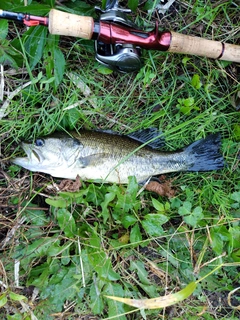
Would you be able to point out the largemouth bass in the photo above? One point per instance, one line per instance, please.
(108, 157)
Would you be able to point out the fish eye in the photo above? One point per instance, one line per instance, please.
(76, 142)
(39, 142)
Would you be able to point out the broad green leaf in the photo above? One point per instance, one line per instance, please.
(36, 9)
(158, 205)
(65, 256)
(188, 102)
(8, 55)
(16, 297)
(71, 117)
(96, 300)
(216, 242)
(40, 246)
(141, 271)
(58, 202)
(234, 236)
(3, 300)
(152, 224)
(236, 196)
(132, 187)
(128, 220)
(196, 83)
(191, 220)
(113, 307)
(95, 241)
(66, 222)
(59, 65)
(194, 217)
(34, 216)
(54, 60)
(135, 234)
(175, 203)
(51, 3)
(187, 105)
(133, 4)
(58, 276)
(104, 3)
(103, 266)
(34, 43)
(79, 7)
(66, 289)
(107, 200)
(149, 5)
(99, 259)
(17, 316)
(167, 206)
(236, 255)
(185, 209)
(185, 110)
(127, 200)
(54, 249)
(110, 273)
(104, 70)
(39, 275)
(185, 60)
(3, 29)
(94, 195)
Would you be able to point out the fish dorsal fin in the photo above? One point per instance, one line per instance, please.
(145, 135)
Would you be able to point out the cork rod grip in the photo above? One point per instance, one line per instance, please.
(181, 43)
(67, 24)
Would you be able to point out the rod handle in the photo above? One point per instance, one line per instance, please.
(68, 24)
(181, 43)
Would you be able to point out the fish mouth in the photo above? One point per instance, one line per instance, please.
(36, 155)
(33, 157)
(32, 154)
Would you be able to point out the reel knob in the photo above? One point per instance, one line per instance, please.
(121, 57)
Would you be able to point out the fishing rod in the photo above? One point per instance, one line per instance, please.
(119, 41)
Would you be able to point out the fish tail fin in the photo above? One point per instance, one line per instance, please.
(205, 154)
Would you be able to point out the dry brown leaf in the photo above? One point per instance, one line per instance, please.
(70, 185)
(162, 188)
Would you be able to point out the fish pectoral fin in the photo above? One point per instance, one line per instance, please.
(93, 159)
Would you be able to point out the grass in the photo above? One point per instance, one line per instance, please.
(62, 252)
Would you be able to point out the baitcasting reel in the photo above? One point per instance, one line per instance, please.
(118, 57)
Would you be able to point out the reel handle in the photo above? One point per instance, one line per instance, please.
(68, 24)
(181, 43)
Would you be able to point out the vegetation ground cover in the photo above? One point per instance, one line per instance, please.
(65, 245)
